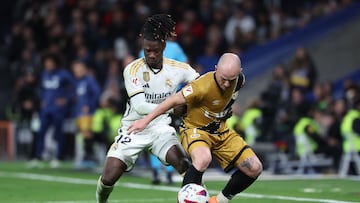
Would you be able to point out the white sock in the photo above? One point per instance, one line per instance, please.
(102, 192)
(221, 198)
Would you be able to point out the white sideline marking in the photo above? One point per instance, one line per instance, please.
(33, 176)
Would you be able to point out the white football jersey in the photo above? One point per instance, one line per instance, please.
(156, 86)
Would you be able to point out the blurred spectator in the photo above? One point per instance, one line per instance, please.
(87, 96)
(56, 34)
(273, 98)
(303, 73)
(104, 126)
(190, 24)
(251, 121)
(350, 130)
(220, 16)
(240, 27)
(165, 6)
(308, 135)
(276, 17)
(136, 18)
(26, 64)
(234, 122)
(190, 31)
(15, 41)
(27, 105)
(297, 106)
(262, 27)
(93, 29)
(205, 10)
(55, 93)
(215, 37)
(83, 54)
(113, 81)
(337, 110)
(282, 131)
(208, 60)
(351, 93)
(321, 95)
(100, 66)
(76, 25)
(27, 96)
(100, 23)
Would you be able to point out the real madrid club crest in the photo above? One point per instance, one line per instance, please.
(168, 82)
(146, 76)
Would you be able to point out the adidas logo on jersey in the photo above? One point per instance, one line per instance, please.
(146, 85)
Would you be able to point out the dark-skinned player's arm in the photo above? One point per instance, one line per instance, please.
(171, 102)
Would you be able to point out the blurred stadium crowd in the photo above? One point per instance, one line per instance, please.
(102, 36)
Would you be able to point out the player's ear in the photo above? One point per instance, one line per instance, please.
(215, 67)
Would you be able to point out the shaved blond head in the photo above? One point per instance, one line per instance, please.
(229, 64)
(227, 69)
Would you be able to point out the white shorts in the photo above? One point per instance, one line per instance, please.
(157, 139)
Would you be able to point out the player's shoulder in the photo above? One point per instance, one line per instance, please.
(203, 83)
(176, 64)
(206, 77)
(134, 67)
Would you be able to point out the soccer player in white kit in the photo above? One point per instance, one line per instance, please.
(148, 81)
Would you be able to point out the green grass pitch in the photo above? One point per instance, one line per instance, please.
(21, 185)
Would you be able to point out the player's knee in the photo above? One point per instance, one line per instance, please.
(201, 164)
(256, 169)
(108, 180)
(201, 158)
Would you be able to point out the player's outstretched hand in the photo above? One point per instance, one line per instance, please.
(137, 126)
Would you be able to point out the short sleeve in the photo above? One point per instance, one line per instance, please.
(132, 82)
(191, 93)
(191, 75)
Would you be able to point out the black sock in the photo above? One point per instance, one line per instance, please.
(192, 175)
(238, 182)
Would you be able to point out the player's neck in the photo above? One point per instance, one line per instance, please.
(155, 69)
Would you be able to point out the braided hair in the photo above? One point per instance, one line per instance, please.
(158, 27)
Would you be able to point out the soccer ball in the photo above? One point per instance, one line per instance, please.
(193, 193)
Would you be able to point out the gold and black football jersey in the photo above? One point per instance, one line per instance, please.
(208, 105)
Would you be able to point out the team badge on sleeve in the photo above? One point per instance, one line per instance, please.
(187, 90)
(135, 81)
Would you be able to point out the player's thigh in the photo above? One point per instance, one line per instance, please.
(164, 137)
(232, 151)
(193, 138)
(127, 148)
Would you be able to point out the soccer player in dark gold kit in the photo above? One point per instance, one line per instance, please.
(209, 99)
